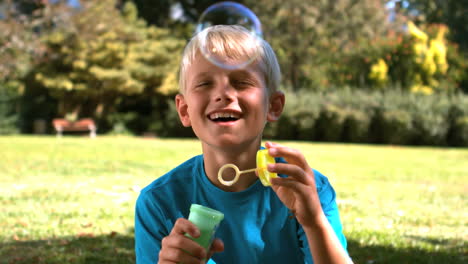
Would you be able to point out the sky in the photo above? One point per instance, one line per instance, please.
(72, 3)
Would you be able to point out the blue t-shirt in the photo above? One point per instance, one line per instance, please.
(257, 227)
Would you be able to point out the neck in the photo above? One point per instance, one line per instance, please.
(243, 157)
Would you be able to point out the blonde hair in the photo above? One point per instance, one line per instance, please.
(233, 43)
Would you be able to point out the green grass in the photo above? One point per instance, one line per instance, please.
(71, 200)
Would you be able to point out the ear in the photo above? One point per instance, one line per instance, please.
(276, 106)
(182, 110)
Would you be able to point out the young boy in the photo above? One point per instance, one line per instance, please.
(294, 221)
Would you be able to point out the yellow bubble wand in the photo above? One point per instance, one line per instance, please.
(263, 159)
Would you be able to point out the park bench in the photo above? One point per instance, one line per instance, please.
(82, 125)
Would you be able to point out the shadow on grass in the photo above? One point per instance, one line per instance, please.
(449, 252)
(115, 248)
(112, 248)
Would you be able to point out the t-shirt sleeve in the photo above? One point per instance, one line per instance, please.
(327, 197)
(150, 229)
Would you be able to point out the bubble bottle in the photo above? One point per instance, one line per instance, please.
(207, 220)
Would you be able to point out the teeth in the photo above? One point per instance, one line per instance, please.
(223, 115)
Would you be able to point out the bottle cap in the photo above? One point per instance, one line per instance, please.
(207, 213)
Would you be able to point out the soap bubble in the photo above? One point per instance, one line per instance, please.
(230, 13)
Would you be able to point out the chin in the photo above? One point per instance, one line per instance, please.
(227, 142)
(233, 142)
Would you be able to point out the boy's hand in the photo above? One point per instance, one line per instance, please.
(177, 248)
(298, 191)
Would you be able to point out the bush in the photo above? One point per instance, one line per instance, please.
(307, 112)
(392, 127)
(430, 119)
(306, 121)
(287, 127)
(356, 126)
(284, 128)
(385, 117)
(458, 118)
(8, 114)
(459, 132)
(167, 124)
(329, 125)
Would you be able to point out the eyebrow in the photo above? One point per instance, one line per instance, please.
(247, 74)
(242, 73)
(202, 75)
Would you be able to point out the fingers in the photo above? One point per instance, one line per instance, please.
(182, 244)
(183, 226)
(288, 183)
(176, 255)
(270, 144)
(178, 248)
(217, 246)
(291, 155)
(291, 170)
(298, 191)
(297, 166)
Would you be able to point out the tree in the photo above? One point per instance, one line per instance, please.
(452, 13)
(154, 12)
(98, 55)
(159, 12)
(19, 45)
(311, 37)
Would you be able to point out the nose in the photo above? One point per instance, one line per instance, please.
(225, 93)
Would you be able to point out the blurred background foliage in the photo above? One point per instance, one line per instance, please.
(374, 71)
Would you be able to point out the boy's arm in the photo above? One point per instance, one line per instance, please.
(147, 230)
(299, 193)
(327, 198)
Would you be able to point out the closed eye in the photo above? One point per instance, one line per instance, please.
(202, 84)
(242, 84)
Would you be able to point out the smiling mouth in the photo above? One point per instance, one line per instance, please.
(223, 117)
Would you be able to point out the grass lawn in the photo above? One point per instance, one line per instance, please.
(71, 200)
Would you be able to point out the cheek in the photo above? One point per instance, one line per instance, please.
(196, 103)
(255, 95)
(259, 101)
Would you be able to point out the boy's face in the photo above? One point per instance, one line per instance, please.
(227, 107)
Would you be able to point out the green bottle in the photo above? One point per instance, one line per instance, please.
(207, 220)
